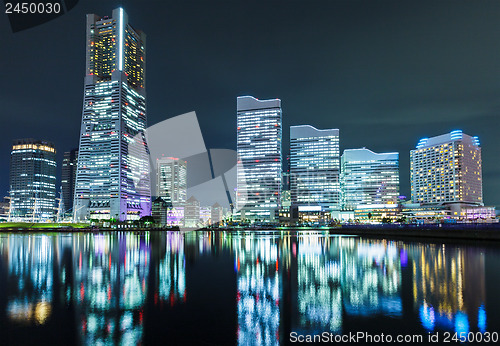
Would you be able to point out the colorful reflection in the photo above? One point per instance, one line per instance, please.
(30, 300)
(110, 286)
(449, 287)
(121, 287)
(345, 276)
(259, 289)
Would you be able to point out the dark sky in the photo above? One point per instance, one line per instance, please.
(386, 73)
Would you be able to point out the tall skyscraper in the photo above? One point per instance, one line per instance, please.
(259, 134)
(113, 166)
(445, 169)
(368, 178)
(32, 181)
(171, 174)
(314, 167)
(68, 178)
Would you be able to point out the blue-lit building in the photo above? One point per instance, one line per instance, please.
(113, 166)
(447, 169)
(32, 184)
(259, 135)
(314, 167)
(368, 178)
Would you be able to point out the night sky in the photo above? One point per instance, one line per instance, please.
(386, 73)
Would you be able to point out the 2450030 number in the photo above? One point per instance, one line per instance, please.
(471, 337)
(32, 7)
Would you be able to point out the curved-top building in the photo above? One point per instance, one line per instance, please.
(314, 167)
(447, 169)
(259, 137)
(369, 178)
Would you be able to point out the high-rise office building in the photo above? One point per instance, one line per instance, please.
(112, 178)
(32, 181)
(368, 178)
(259, 134)
(446, 169)
(171, 175)
(68, 178)
(314, 167)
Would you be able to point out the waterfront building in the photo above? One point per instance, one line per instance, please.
(159, 211)
(420, 213)
(369, 178)
(447, 169)
(192, 212)
(217, 214)
(205, 215)
(4, 209)
(378, 213)
(32, 181)
(479, 214)
(68, 178)
(112, 178)
(259, 137)
(314, 167)
(171, 175)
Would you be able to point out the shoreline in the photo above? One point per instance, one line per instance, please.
(485, 232)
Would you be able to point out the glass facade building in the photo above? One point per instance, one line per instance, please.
(113, 166)
(314, 166)
(171, 174)
(447, 168)
(368, 178)
(259, 135)
(68, 178)
(32, 181)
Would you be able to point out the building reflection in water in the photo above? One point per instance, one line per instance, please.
(338, 275)
(259, 289)
(172, 275)
(449, 288)
(110, 286)
(107, 285)
(371, 277)
(30, 261)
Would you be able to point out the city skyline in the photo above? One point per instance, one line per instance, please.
(362, 106)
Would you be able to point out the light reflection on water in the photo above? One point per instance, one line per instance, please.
(119, 287)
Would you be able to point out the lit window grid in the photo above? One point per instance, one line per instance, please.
(449, 172)
(114, 164)
(314, 170)
(259, 153)
(32, 182)
(373, 182)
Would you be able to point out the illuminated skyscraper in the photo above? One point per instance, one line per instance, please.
(32, 181)
(68, 177)
(368, 178)
(259, 157)
(446, 168)
(171, 174)
(113, 167)
(314, 166)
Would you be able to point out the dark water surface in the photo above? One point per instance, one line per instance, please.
(246, 288)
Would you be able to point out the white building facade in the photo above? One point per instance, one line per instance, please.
(368, 178)
(447, 169)
(259, 142)
(171, 174)
(314, 167)
(112, 178)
